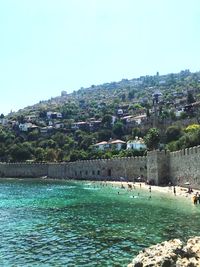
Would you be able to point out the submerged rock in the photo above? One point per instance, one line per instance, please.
(173, 253)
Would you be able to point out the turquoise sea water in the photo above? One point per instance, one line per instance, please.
(62, 223)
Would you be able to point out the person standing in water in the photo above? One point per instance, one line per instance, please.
(149, 189)
(149, 192)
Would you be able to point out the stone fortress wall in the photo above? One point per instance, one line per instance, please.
(21, 170)
(184, 166)
(161, 166)
(110, 169)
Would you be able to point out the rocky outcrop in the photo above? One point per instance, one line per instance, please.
(173, 253)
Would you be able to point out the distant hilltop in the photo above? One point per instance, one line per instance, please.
(133, 88)
(118, 119)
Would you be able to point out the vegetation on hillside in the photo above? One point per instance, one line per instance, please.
(163, 110)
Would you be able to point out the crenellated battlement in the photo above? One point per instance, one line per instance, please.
(186, 152)
(160, 166)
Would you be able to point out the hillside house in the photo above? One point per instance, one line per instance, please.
(45, 130)
(178, 112)
(140, 118)
(27, 127)
(128, 121)
(58, 125)
(30, 118)
(81, 125)
(120, 112)
(117, 144)
(95, 125)
(137, 144)
(112, 144)
(54, 115)
(3, 121)
(101, 146)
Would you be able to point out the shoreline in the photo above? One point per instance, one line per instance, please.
(165, 190)
(168, 190)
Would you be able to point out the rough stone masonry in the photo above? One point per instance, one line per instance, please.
(170, 254)
(179, 167)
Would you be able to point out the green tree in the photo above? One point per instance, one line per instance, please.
(190, 98)
(21, 152)
(39, 154)
(152, 138)
(107, 121)
(136, 132)
(51, 155)
(118, 129)
(3, 154)
(104, 135)
(34, 135)
(137, 106)
(3, 136)
(173, 133)
(60, 139)
(78, 155)
(131, 94)
(86, 142)
(192, 128)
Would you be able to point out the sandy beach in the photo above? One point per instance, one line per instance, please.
(169, 190)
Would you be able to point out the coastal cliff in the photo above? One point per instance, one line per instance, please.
(173, 253)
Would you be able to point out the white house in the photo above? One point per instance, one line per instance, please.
(112, 144)
(140, 118)
(59, 115)
(102, 145)
(4, 121)
(138, 144)
(54, 115)
(178, 112)
(25, 126)
(120, 112)
(59, 125)
(117, 144)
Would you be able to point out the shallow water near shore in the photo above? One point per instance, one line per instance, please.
(69, 223)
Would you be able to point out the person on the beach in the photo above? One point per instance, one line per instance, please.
(194, 199)
(174, 190)
(190, 190)
(198, 197)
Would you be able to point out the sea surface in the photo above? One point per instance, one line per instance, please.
(69, 223)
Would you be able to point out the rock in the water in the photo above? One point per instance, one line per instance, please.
(171, 253)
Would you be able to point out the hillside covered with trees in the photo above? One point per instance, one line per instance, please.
(100, 121)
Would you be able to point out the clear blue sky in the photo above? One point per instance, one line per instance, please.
(47, 46)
